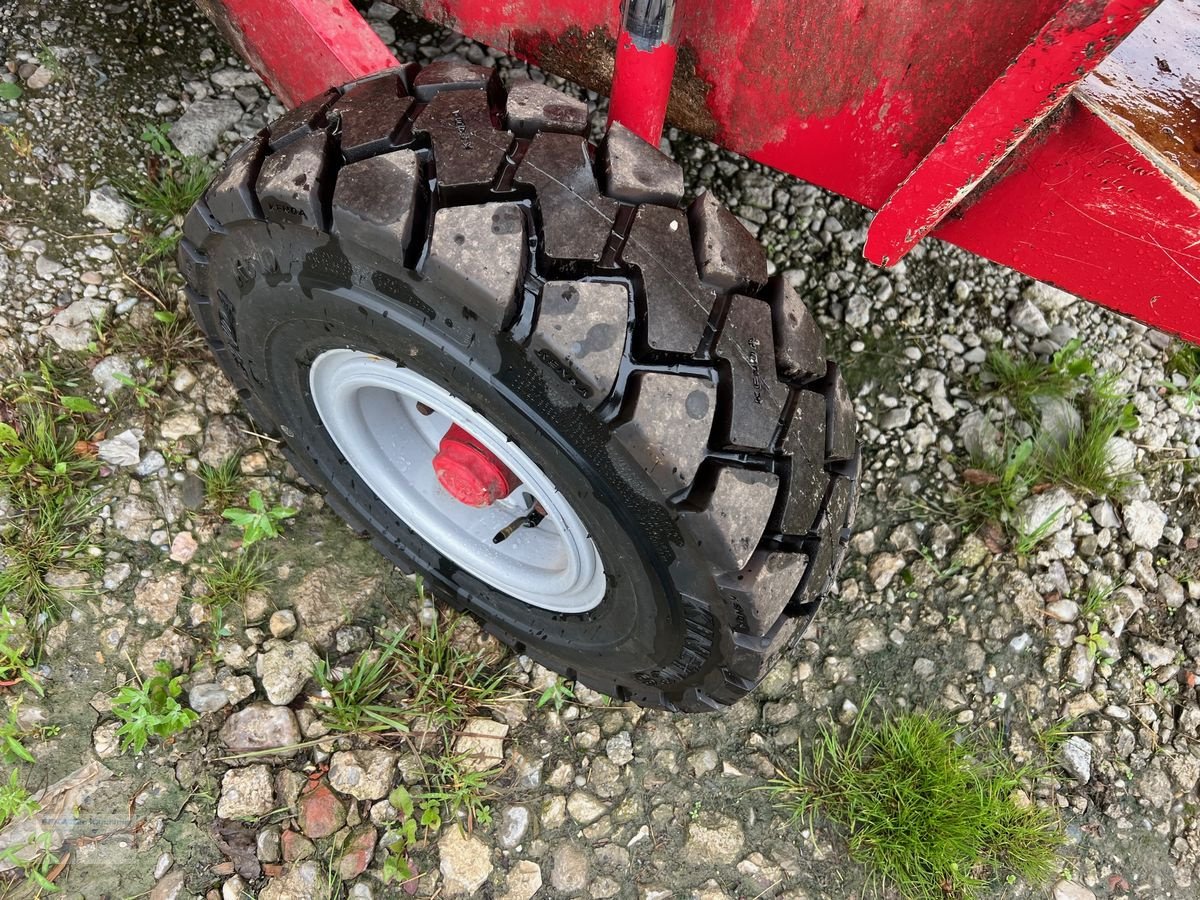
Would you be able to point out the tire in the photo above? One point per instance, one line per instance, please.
(632, 349)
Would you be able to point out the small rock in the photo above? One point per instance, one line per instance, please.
(284, 670)
(158, 599)
(122, 449)
(715, 839)
(304, 881)
(319, 812)
(363, 774)
(1154, 655)
(107, 206)
(514, 823)
(1068, 890)
(570, 871)
(197, 131)
(282, 623)
(868, 637)
(1028, 318)
(524, 881)
(1063, 610)
(464, 861)
(170, 887)
(1144, 523)
(179, 425)
(1076, 758)
(105, 740)
(584, 808)
(104, 374)
(235, 888)
(266, 844)
(41, 78)
(74, 327)
(246, 793)
(260, 726)
(207, 698)
(360, 848)
(1048, 512)
(619, 749)
(883, 568)
(183, 547)
(482, 743)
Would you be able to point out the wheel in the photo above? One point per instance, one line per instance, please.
(515, 360)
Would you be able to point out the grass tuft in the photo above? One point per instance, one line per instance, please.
(930, 813)
(222, 482)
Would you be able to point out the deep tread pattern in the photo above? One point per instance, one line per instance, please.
(636, 172)
(479, 252)
(670, 428)
(576, 218)
(301, 120)
(799, 344)
(581, 334)
(381, 221)
(534, 108)
(291, 182)
(727, 255)
(369, 115)
(467, 149)
(717, 386)
(732, 525)
(758, 397)
(661, 248)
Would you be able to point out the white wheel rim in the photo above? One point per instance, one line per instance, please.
(371, 407)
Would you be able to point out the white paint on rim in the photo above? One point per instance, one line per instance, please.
(388, 420)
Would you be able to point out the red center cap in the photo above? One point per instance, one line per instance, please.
(470, 472)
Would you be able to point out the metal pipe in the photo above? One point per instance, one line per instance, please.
(644, 67)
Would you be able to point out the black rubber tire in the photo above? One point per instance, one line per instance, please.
(636, 350)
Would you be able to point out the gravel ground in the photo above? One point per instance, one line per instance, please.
(595, 800)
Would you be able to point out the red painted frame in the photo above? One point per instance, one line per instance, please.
(874, 101)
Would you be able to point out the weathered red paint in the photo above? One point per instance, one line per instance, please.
(850, 95)
(1061, 54)
(300, 47)
(641, 87)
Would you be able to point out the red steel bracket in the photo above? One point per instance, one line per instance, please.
(644, 68)
(300, 48)
(1079, 36)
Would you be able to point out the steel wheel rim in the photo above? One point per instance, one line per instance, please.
(387, 421)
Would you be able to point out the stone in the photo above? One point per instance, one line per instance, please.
(514, 824)
(1076, 758)
(235, 888)
(106, 205)
(104, 374)
(282, 623)
(171, 647)
(481, 742)
(246, 793)
(868, 637)
(183, 547)
(570, 872)
(157, 599)
(979, 436)
(883, 568)
(1154, 655)
(294, 846)
(584, 808)
(1028, 318)
(122, 449)
(266, 844)
(105, 740)
(524, 881)
(363, 774)
(75, 327)
(320, 812)
(223, 439)
(284, 669)
(304, 881)
(169, 887)
(619, 748)
(260, 726)
(179, 425)
(359, 849)
(464, 861)
(1048, 512)
(1060, 420)
(1063, 610)
(1144, 523)
(1069, 890)
(198, 130)
(41, 78)
(207, 698)
(327, 598)
(715, 839)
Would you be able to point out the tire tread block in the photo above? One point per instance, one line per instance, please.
(291, 182)
(533, 108)
(839, 427)
(582, 325)
(808, 482)
(375, 202)
(728, 256)
(730, 527)
(762, 590)
(559, 170)
(799, 343)
(669, 431)
(467, 148)
(301, 120)
(678, 304)
(833, 520)
(369, 114)
(636, 172)
(230, 197)
(758, 397)
(453, 75)
(478, 254)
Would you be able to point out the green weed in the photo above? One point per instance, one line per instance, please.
(1093, 640)
(15, 801)
(230, 582)
(16, 661)
(557, 694)
(171, 184)
(928, 812)
(12, 749)
(151, 708)
(359, 698)
(222, 482)
(1025, 381)
(259, 521)
(456, 786)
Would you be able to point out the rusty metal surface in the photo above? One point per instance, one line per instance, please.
(1037, 81)
(1149, 90)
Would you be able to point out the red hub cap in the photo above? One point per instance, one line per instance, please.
(470, 472)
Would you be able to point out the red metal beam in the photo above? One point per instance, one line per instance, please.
(1037, 82)
(300, 47)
